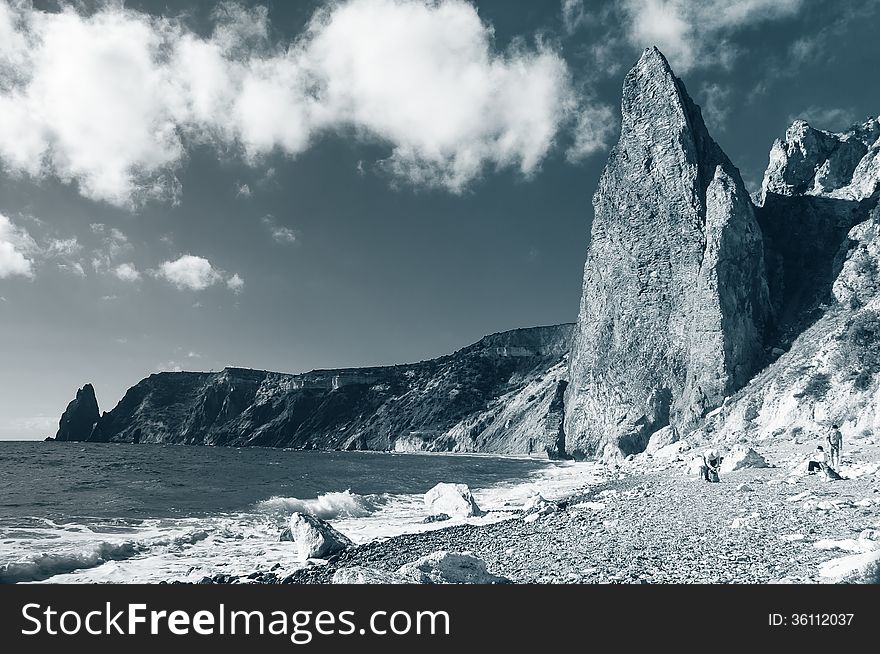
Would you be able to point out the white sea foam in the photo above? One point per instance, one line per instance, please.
(188, 549)
(328, 506)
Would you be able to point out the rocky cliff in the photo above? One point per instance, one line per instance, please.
(820, 212)
(501, 395)
(704, 315)
(675, 300)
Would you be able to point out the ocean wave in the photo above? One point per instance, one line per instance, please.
(327, 506)
(43, 565)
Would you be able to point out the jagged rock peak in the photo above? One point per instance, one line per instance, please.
(810, 161)
(675, 296)
(80, 417)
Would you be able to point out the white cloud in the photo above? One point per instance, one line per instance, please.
(279, 233)
(190, 272)
(592, 133)
(235, 284)
(16, 249)
(127, 272)
(693, 33)
(243, 191)
(112, 100)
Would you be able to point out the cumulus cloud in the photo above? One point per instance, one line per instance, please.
(692, 33)
(16, 250)
(235, 284)
(127, 272)
(112, 100)
(243, 191)
(190, 272)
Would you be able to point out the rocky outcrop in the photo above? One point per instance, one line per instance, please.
(79, 419)
(817, 186)
(499, 395)
(827, 244)
(675, 300)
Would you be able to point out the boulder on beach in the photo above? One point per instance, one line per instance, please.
(362, 575)
(437, 517)
(313, 537)
(741, 457)
(444, 567)
(861, 568)
(661, 438)
(536, 504)
(453, 500)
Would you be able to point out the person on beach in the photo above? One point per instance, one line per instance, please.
(835, 440)
(710, 465)
(818, 460)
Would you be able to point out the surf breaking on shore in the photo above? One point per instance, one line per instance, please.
(188, 549)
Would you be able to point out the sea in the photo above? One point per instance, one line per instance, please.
(117, 513)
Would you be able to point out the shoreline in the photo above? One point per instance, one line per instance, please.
(759, 525)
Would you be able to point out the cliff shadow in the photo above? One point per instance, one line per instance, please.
(806, 242)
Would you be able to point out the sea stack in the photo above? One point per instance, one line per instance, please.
(675, 299)
(80, 417)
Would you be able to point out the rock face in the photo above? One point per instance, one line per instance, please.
(675, 299)
(500, 395)
(80, 417)
(821, 222)
(314, 538)
(817, 187)
(451, 500)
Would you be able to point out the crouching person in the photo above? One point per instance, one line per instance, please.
(710, 465)
(818, 460)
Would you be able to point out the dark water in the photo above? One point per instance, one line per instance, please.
(76, 512)
(62, 480)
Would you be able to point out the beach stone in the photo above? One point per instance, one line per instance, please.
(439, 517)
(536, 504)
(660, 439)
(741, 457)
(362, 575)
(444, 567)
(451, 499)
(315, 538)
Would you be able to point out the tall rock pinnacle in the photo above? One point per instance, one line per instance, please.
(675, 296)
(79, 419)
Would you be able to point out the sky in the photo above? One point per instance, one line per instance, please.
(299, 185)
